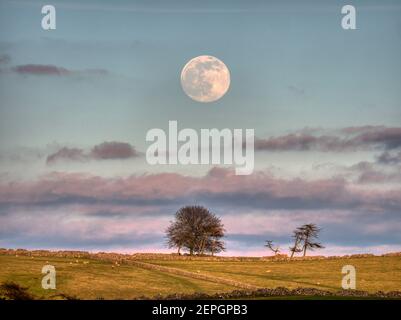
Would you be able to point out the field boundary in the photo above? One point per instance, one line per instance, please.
(272, 293)
(189, 274)
(173, 256)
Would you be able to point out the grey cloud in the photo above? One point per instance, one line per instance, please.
(389, 158)
(348, 139)
(84, 211)
(104, 151)
(71, 241)
(72, 154)
(52, 70)
(113, 150)
(259, 190)
(36, 69)
(375, 172)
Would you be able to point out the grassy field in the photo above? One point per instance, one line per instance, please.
(95, 279)
(373, 274)
(98, 279)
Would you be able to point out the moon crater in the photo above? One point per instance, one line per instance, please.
(205, 79)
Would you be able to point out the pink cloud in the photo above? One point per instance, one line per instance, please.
(260, 189)
(85, 211)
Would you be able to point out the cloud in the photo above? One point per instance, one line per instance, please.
(113, 150)
(389, 158)
(73, 154)
(38, 69)
(298, 142)
(373, 176)
(260, 190)
(348, 139)
(361, 129)
(52, 70)
(73, 227)
(385, 170)
(77, 210)
(104, 151)
(389, 138)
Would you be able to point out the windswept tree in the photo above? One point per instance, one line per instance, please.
(298, 238)
(269, 244)
(197, 230)
(310, 233)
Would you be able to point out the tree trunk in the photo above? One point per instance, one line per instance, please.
(179, 249)
(202, 246)
(306, 244)
(295, 247)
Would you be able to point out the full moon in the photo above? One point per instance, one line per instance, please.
(205, 79)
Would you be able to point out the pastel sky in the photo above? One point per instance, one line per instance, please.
(76, 104)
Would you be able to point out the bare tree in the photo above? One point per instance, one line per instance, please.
(175, 238)
(216, 246)
(310, 232)
(196, 229)
(269, 244)
(298, 237)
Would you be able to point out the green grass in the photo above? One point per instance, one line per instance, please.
(99, 280)
(373, 273)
